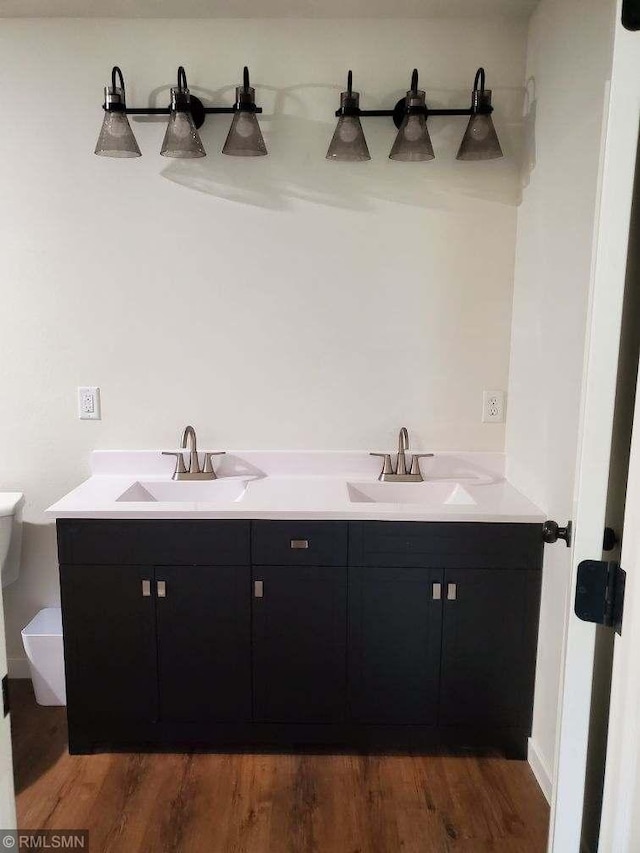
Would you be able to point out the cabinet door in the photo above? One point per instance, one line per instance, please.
(488, 647)
(299, 643)
(204, 643)
(395, 623)
(110, 647)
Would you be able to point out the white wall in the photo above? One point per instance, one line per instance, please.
(284, 302)
(568, 65)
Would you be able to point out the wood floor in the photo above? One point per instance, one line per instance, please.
(257, 803)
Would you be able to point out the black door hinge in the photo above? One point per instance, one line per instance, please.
(600, 593)
(5, 695)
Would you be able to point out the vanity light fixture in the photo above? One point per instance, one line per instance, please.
(413, 142)
(348, 143)
(181, 138)
(116, 138)
(410, 114)
(480, 141)
(186, 114)
(245, 137)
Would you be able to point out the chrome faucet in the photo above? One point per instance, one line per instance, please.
(398, 473)
(189, 442)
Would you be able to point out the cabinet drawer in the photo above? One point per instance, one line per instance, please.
(301, 543)
(443, 545)
(162, 543)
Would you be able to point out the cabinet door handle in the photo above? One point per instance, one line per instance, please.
(452, 591)
(436, 591)
(162, 589)
(300, 543)
(146, 588)
(258, 589)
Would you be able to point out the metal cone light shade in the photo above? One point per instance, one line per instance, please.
(480, 140)
(413, 142)
(116, 138)
(348, 143)
(245, 137)
(181, 139)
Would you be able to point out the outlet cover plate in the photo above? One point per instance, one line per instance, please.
(493, 407)
(89, 403)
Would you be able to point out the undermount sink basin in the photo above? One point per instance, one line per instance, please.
(428, 493)
(193, 491)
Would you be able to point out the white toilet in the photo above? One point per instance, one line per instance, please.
(10, 535)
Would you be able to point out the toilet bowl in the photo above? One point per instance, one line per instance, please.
(10, 535)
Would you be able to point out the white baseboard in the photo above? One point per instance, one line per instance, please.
(18, 668)
(540, 771)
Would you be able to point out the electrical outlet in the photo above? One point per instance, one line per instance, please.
(493, 407)
(89, 403)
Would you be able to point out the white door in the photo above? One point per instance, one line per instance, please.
(611, 236)
(620, 828)
(7, 798)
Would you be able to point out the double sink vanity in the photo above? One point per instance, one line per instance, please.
(279, 599)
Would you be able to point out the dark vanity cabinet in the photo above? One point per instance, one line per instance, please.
(490, 620)
(443, 630)
(395, 627)
(156, 631)
(203, 623)
(299, 644)
(110, 645)
(362, 634)
(299, 621)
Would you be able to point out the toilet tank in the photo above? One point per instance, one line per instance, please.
(11, 504)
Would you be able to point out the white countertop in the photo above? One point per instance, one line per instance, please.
(309, 485)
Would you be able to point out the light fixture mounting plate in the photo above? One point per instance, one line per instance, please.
(197, 111)
(399, 112)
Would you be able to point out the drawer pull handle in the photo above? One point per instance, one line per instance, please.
(146, 589)
(162, 589)
(258, 589)
(452, 591)
(300, 543)
(436, 591)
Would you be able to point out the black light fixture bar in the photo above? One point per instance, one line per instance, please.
(197, 108)
(400, 110)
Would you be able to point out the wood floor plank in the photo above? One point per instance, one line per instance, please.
(271, 803)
